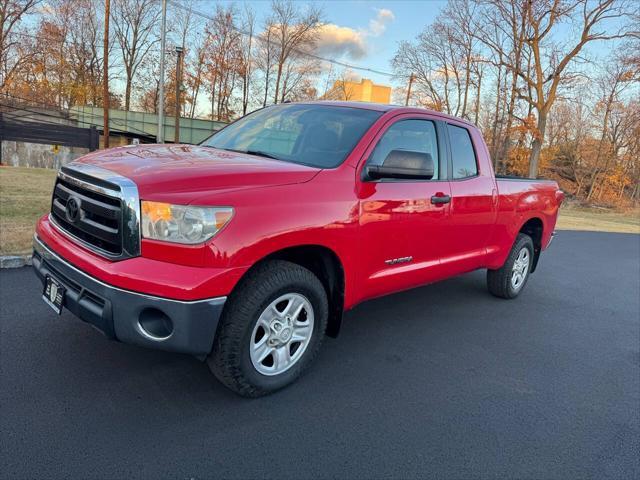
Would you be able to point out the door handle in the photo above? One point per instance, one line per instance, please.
(440, 199)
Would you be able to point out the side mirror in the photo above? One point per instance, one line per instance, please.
(403, 164)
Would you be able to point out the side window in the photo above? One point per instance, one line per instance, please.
(462, 154)
(411, 135)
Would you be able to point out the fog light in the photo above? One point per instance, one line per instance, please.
(155, 324)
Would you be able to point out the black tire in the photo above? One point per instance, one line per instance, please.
(230, 359)
(499, 281)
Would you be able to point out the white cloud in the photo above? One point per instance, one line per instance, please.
(378, 25)
(334, 40)
(337, 41)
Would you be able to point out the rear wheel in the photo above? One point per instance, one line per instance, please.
(271, 329)
(509, 280)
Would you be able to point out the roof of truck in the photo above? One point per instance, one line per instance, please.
(382, 107)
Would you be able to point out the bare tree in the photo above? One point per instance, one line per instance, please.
(615, 79)
(430, 71)
(195, 72)
(462, 14)
(187, 31)
(83, 57)
(53, 39)
(569, 134)
(246, 55)
(265, 58)
(106, 100)
(12, 56)
(501, 27)
(293, 31)
(135, 27)
(476, 72)
(296, 78)
(442, 60)
(550, 61)
(88, 58)
(148, 78)
(223, 53)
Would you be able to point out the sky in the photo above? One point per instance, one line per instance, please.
(359, 32)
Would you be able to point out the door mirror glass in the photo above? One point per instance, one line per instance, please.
(403, 164)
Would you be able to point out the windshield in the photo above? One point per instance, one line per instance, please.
(318, 135)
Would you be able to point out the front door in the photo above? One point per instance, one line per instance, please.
(403, 223)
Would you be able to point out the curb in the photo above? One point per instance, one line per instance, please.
(14, 261)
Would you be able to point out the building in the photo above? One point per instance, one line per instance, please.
(363, 91)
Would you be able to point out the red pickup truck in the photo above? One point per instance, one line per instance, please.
(247, 249)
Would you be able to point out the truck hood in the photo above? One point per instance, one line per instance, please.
(189, 170)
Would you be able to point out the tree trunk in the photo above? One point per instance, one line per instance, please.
(477, 114)
(192, 111)
(621, 194)
(507, 131)
(536, 147)
(592, 186)
(213, 101)
(266, 87)
(278, 77)
(446, 89)
(494, 127)
(127, 94)
(196, 88)
(597, 170)
(245, 94)
(284, 89)
(105, 77)
(466, 86)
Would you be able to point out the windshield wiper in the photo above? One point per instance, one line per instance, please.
(257, 153)
(261, 154)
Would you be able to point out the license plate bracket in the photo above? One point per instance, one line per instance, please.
(53, 294)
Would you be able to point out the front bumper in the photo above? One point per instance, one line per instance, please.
(131, 317)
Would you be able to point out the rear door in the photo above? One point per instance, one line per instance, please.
(403, 231)
(473, 200)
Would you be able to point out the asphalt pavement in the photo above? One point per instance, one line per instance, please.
(441, 381)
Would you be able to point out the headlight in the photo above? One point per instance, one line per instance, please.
(182, 223)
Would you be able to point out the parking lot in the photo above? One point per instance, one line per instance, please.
(441, 381)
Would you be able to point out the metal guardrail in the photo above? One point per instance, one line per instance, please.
(192, 130)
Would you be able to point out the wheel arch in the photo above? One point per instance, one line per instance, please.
(326, 265)
(534, 228)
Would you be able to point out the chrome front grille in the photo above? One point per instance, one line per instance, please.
(99, 209)
(96, 219)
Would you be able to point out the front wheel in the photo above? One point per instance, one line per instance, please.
(509, 280)
(271, 329)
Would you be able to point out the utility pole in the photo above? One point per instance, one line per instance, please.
(406, 102)
(176, 136)
(163, 41)
(105, 74)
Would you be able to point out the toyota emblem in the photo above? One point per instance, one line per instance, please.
(72, 209)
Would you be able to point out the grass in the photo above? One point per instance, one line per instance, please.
(598, 220)
(25, 195)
